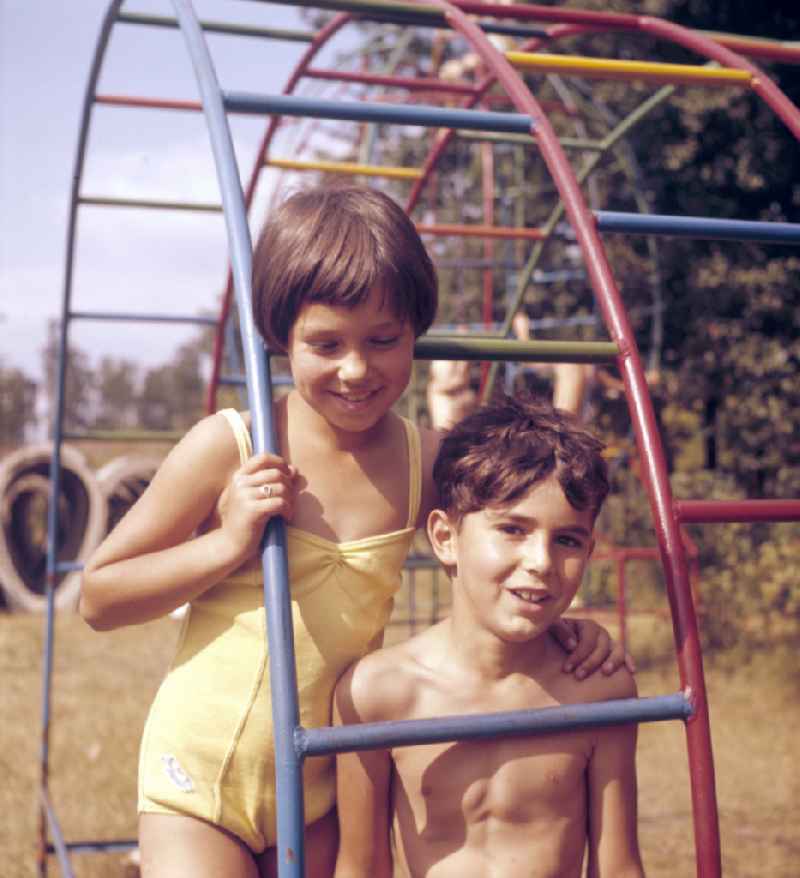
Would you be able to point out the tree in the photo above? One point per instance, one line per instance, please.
(172, 396)
(116, 387)
(79, 382)
(17, 405)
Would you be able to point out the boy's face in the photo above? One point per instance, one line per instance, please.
(351, 364)
(516, 568)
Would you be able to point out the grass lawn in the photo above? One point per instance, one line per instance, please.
(104, 682)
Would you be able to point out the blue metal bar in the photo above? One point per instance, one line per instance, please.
(141, 318)
(372, 736)
(58, 846)
(48, 818)
(698, 227)
(241, 381)
(361, 111)
(285, 710)
(97, 847)
(488, 349)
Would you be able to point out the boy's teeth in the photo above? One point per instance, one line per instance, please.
(528, 596)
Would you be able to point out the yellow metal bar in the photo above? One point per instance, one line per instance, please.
(346, 168)
(607, 68)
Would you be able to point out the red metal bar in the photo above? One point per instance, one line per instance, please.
(707, 849)
(762, 85)
(407, 82)
(487, 185)
(773, 50)
(622, 609)
(717, 511)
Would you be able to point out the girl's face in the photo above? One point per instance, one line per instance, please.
(351, 364)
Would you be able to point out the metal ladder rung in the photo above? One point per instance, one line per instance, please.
(487, 349)
(407, 82)
(362, 111)
(609, 68)
(126, 435)
(366, 736)
(142, 103)
(408, 13)
(155, 204)
(113, 316)
(698, 227)
(351, 168)
(722, 511)
(504, 232)
(219, 27)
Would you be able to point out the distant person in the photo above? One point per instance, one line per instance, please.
(520, 486)
(450, 393)
(343, 286)
(571, 381)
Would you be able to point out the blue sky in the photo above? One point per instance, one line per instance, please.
(150, 261)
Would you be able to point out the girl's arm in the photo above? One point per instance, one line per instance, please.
(589, 647)
(363, 781)
(613, 836)
(151, 563)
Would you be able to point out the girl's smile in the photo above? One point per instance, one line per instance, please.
(351, 364)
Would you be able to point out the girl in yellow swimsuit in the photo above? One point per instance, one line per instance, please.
(343, 286)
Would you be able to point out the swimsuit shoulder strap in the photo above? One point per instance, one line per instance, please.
(240, 432)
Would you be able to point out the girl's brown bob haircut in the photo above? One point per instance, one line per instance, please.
(334, 245)
(499, 452)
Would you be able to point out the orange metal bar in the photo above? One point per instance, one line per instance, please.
(351, 168)
(509, 232)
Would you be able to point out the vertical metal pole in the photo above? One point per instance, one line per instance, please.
(621, 601)
(47, 814)
(285, 710)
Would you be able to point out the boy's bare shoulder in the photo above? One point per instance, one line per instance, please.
(602, 687)
(596, 687)
(384, 684)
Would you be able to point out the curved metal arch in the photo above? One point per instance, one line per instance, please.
(312, 50)
(48, 818)
(672, 551)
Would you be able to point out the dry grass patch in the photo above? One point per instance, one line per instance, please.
(104, 683)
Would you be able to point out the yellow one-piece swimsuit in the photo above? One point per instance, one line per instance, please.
(208, 748)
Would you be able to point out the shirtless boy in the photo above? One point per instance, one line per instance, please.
(520, 486)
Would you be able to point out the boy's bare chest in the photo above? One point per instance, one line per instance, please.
(510, 781)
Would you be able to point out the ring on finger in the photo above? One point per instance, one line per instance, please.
(266, 490)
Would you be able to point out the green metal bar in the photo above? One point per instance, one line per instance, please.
(220, 27)
(383, 10)
(527, 140)
(408, 14)
(592, 161)
(493, 349)
(100, 201)
(126, 436)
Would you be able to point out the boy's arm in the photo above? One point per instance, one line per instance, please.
(363, 781)
(613, 837)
